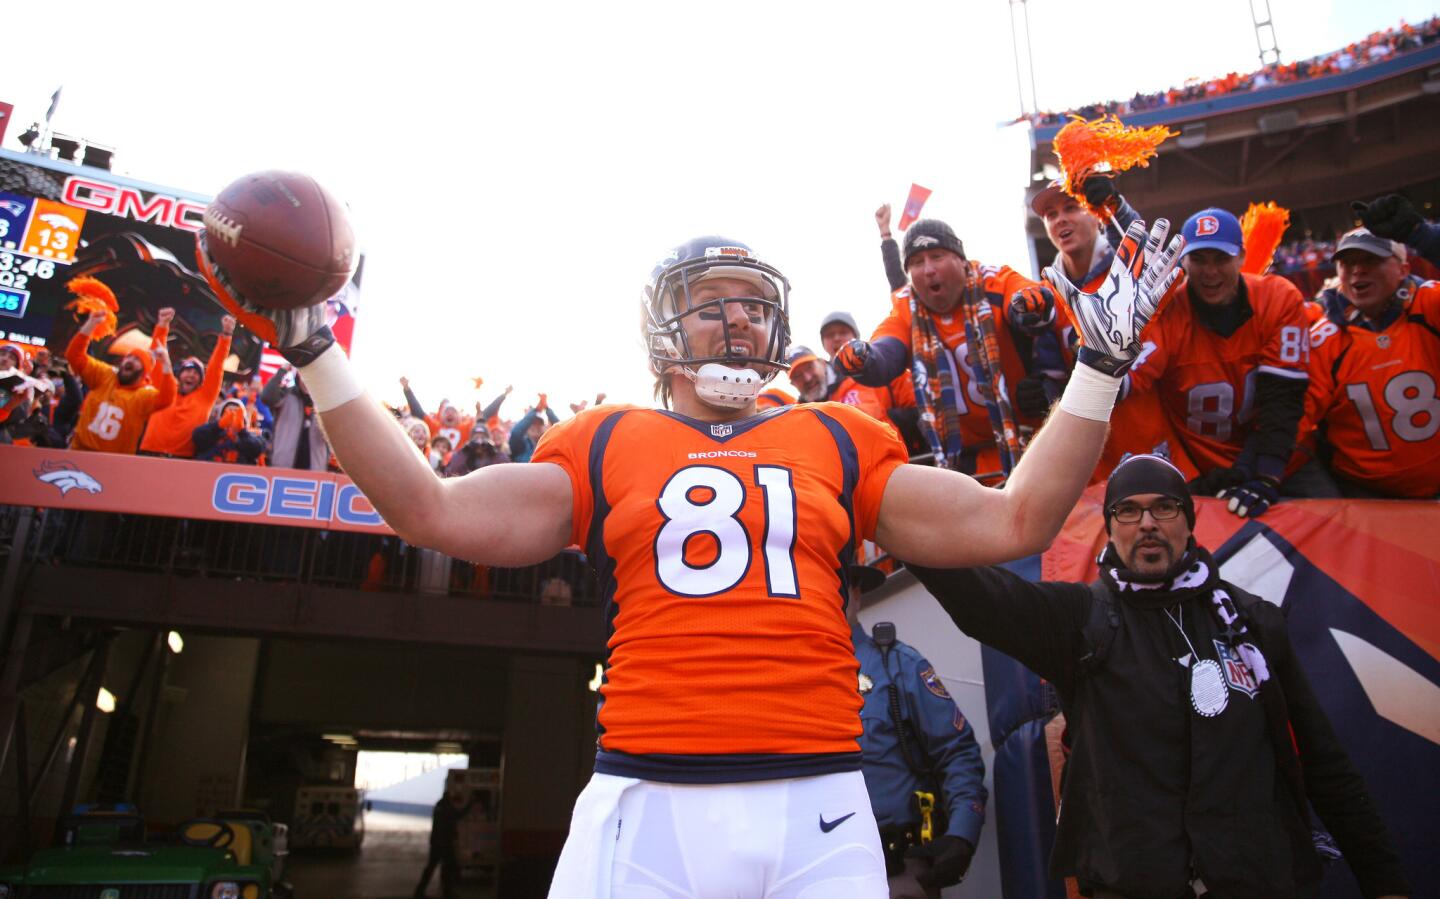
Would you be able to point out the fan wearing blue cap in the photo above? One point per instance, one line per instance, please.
(1230, 365)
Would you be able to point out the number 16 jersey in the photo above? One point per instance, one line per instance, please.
(721, 550)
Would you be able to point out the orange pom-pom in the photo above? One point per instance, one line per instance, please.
(1263, 225)
(93, 295)
(1103, 144)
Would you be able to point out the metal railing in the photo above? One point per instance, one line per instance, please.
(244, 551)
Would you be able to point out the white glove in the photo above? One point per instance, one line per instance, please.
(1111, 318)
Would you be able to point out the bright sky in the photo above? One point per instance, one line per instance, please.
(515, 169)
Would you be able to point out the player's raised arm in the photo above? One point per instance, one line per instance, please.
(941, 518)
(502, 515)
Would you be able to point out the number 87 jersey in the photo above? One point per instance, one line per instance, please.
(721, 550)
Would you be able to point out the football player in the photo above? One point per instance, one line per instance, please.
(728, 717)
(1374, 362)
(1228, 356)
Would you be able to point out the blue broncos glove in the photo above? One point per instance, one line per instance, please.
(1252, 498)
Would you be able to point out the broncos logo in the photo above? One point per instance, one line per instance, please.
(67, 477)
(55, 220)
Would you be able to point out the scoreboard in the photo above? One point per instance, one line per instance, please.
(60, 221)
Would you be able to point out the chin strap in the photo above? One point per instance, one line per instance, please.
(724, 387)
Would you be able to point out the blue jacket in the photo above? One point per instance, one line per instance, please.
(941, 738)
(521, 446)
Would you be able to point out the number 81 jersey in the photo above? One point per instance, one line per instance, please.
(721, 550)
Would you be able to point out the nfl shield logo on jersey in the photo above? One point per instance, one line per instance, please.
(721, 430)
(1237, 674)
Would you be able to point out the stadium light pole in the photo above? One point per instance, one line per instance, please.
(1029, 57)
(1265, 40)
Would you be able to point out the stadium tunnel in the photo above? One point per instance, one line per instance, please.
(283, 676)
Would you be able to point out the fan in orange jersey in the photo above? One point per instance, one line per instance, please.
(896, 399)
(1227, 357)
(1084, 250)
(925, 332)
(1374, 363)
(119, 400)
(170, 430)
(721, 537)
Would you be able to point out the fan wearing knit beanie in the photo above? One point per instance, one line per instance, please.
(170, 429)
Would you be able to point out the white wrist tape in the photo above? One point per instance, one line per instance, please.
(1090, 394)
(330, 380)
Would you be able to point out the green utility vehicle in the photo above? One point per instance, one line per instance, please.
(106, 854)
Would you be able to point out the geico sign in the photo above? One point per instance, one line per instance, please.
(307, 499)
(130, 203)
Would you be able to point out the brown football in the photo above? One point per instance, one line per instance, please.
(282, 240)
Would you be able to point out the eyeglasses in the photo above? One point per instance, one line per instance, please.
(1160, 510)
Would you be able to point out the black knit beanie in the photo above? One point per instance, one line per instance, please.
(1147, 474)
(927, 234)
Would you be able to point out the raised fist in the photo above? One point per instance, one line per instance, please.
(850, 358)
(1392, 216)
(227, 325)
(882, 220)
(1032, 309)
(1110, 319)
(165, 316)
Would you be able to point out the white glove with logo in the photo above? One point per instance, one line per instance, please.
(1111, 318)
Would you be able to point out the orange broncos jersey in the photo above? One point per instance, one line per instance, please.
(1374, 393)
(721, 550)
(874, 401)
(1206, 382)
(112, 418)
(1000, 283)
(458, 435)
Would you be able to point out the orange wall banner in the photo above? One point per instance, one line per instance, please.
(183, 488)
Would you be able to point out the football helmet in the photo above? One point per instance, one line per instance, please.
(732, 378)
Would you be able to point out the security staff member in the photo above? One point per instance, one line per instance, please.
(1197, 745)
(916, 741)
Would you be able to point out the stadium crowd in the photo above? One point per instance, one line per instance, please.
(1374, 48)
(143, 406)
(1241, 412)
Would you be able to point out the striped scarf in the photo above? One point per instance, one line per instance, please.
(936, 385)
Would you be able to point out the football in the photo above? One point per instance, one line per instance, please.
(281, 240)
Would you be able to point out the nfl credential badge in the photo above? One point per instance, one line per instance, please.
(1207, 688)
(1237, 674)
(721, 430)
(866, 684)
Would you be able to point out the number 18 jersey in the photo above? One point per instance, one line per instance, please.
(721, 550)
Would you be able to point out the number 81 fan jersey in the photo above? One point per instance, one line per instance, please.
(721, 550)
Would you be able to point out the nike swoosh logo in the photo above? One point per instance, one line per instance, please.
(827, 826)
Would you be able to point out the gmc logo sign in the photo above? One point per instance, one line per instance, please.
(130, 203)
